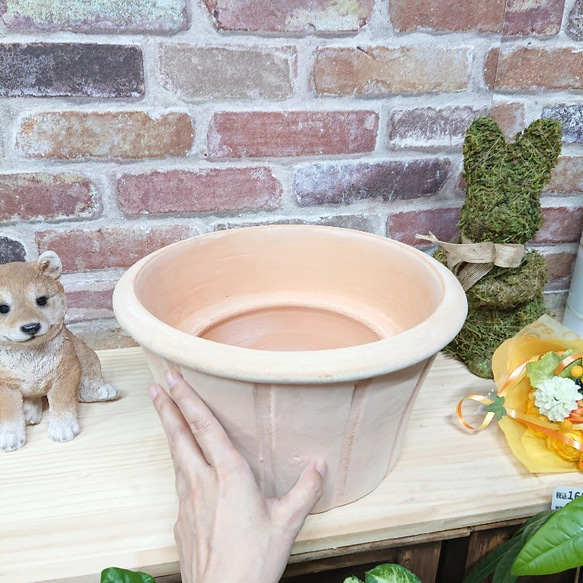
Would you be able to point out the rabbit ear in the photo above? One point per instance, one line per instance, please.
(541, 140)
(484, 142)
(50, 264)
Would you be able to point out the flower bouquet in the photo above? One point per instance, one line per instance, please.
(539, 403)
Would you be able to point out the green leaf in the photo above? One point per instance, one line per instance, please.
(496, 406)
(117, 575)
(352, 580)
(556, 546)
(533, 524)
(489, 563)
(544, 368)
(503, 570)
(389, 573)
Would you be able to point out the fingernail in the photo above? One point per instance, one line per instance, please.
(153, 390)
(321, 467)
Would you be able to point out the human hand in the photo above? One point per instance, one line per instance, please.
(227, 530)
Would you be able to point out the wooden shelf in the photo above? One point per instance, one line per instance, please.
(107, 498)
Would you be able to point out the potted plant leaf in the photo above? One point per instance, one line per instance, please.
(549, 542)
(387, 573)
(117, 575)
(382, 574)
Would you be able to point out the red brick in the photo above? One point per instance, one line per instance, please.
(89, 304)
(534, 68)
(304, 16)
(447, 15)
(567, 176)
(104, 136)
(206, 190)
(227, 72)
(385, 71)
(89, 299)
(559, 267)
(428, 127)
(542, 17)
(491, 67)
(96, 16)
(88, 250)
(510, 117)
(442, 222)
(295, 133)
(347, 183)
(561, 225)
(39, 196)
(71, 70)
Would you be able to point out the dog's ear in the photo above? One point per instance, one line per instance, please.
(50, 264)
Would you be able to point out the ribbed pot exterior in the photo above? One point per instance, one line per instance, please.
(305, 342)
(357, 427)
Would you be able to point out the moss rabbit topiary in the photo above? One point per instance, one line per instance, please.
(502, 206)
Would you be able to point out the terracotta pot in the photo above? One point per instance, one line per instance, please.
(304, 341)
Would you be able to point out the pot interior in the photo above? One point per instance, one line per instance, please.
(290, 288)
(290, 328)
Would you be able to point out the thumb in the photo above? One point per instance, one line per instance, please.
(293, 508)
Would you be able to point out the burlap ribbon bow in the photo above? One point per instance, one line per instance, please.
(470, 262)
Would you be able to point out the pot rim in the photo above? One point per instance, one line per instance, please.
(294, 367)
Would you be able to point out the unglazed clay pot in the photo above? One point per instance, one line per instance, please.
(304, 341)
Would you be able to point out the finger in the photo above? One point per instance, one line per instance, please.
(184, 449)
(208, 432)
(293, 508)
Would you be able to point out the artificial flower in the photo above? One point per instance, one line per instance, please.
(576, 416)
(543, 368)
(557, 397)
(564, 450)
(532, 411)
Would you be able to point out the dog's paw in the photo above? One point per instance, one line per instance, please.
(107, 393)
(33, 411)
(63, 426)
(97, 391)
(12, 436)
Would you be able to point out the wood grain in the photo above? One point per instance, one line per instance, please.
(107, 498)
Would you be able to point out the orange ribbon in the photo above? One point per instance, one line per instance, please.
(514, 377)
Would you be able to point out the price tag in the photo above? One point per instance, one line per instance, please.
(564, 494)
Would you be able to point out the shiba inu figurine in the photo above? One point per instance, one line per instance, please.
(40, 357)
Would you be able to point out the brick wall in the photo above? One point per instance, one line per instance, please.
(129, 125)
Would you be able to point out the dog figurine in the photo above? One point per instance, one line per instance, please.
(40, 357)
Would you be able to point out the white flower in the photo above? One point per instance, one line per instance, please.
(557, 397)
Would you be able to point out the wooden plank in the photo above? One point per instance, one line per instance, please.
(298, 562)
(107, 498)
(347, 564)
(422, 560)
(403, 554)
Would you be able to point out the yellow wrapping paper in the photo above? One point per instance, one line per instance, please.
(542, 336)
